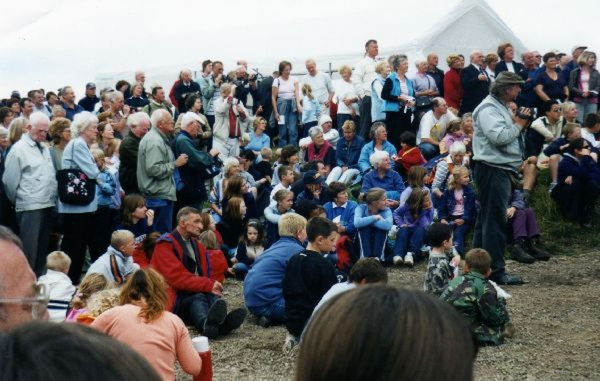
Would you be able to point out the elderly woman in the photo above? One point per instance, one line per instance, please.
(506, 52)
(285, 98)
(425, 86)
(347, 155)
(329, 133)
(382, 69)
(346, 97)
(136, 102)
(373, 221)
(58, 111)
(6, 116)
(491, 60)
(60, 132)
(379, 142)
(399, 99)
(78, 220)
(549, 84)
(569, 113)
(258, 138)
(584, 84)
(320, 149)
(444, 168)
(383, 176)
(453, 91)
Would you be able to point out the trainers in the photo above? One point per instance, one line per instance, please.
(290, 343)
(397, 260)
(393, 232)
(232, 321)
(408, 260)
(264, 322)
(214, 318)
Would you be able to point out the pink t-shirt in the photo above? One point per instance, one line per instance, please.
(459, 207)
(161, 341)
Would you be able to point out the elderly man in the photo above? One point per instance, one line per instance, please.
(321, 85)
(157, 102)
(155, 169)
(68, 97)
(193, 295)
(231, 120)
(138, 124)
(184, 89)
(528, 73)
(194, 173)
(38, 103)
(435, 72)
(120, 113)
(364, 74)
(475, 82)
(30, 184)
(498, 156)
(21, 299)
(89, 101)
(433, 128)
(209, 86)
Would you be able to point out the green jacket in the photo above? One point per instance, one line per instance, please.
(476, 298)
(153, 106)
(156, 164)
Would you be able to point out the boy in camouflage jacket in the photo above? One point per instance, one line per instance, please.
(476, 298)
(440, 269)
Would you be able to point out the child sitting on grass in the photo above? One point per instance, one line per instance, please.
(249, 248)
(440, 269)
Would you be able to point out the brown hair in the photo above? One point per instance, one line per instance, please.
(416, 176)
(501, 48)
(57, 127)
(148, 244)
(232, 211)
(415, 201)
(283, 64)
(454, 126)
(148, 286)
(234, 187)
(130, 204)
(374, 195)
(479, 261)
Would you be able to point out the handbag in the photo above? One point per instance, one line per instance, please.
(424, 100)
(74, 186)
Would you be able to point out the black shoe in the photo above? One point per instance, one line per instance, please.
(536, 252)
(519, 254)
(214, 318)
(232, 321)
(508, 280)
(264, 322)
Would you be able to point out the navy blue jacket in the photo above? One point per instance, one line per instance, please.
(348, 155)
(474, 90)
(584, 169)
(346, 218)
(501, 66)
(554, 147)
(448, 203)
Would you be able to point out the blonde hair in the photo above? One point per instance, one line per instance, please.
(58, 261)
(120, 238)
(266, 152)
(91, 284)
(103, 301)
(208, 239)
(457, 172)
(290, 224)
(565, 107)
(97, 154)
(380, 66)
(307, 90)
(345, 68)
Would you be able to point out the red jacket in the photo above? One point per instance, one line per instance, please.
(411, 157)
(167, 260)
(172, 94)
(453, 91)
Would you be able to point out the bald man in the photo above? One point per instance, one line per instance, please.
(20, 300)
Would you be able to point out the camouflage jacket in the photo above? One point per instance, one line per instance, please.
(476, 298)
(439, 273)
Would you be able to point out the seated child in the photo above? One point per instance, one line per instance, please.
(100, 302)
(142, 255)
(526, 232)
(117, 264)
(91, 284)
(314, 188)
(416, 179)
(249, 248)
(477, 299)
(412, 220)
(440, 269)
(283, 204)
(341, 210)
(457, 206)
(58, 285)
(308, 276)
(286, 179)
(467, 129)
(410, 154)
(454, 133)
(373, 221)
(263, 164)
(216, 258)
(558, 147)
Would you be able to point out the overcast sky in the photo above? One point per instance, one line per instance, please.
(54, 43)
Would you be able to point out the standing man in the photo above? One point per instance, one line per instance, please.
(184, 89)
(209, 87)
(38, 103)
(320, 83)
(155, 167)
(30, 184)
(528, 97)
(139, 124)
(231, 119)
(120, 113)
(435, 72)
(89, 101)
(71, 108)
(498, 153)
(362, 78)
(475, 83)
(26, 105)
(266, 106)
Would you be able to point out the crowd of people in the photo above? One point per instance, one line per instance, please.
(141, 203)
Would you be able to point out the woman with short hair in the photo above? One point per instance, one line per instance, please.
(383, 176)
(399, 99)
(453, 91)
(320, 149)
(379, 142)
(506, 53)
(491, 62)
(382, 69)
(346, 97)
(347, 155)
(549, 84)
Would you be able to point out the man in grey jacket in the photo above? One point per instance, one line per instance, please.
(498, 153)
(155, 170)
(30, 184)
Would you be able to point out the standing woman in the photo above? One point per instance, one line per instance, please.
(584, 84)
(453, 91)
(60, 132)
(79, 219)
(346, 98)
(382, 69)
(285, 98)
(398, 95)
(548, 84)
(491, 62)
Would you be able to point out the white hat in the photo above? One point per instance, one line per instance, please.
(190, 117)
(324, 119)
(578, 47)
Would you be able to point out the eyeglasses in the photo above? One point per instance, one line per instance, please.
(38, 303)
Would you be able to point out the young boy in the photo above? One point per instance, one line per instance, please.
(477, 299)
(439, 270)
(58, 284)
(106, 188)
(117, 264)
(286, 178)
(308, 276)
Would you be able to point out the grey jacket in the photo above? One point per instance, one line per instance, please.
(155, 167)
(29, 177)
(497, 139)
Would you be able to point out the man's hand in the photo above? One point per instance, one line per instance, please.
(181, 160)
(459, 222)
(217, 289)
(520, 121)
(482, 77)
(214, 152)
(126, 110)
(456, 261)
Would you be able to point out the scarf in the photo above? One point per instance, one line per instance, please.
(314, 155)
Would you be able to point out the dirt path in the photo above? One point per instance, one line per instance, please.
(557, 317)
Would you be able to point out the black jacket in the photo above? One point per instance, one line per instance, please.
(182, 92)
(501, 66)
(128, 153)
(264, 96)
(474, 89)
(88, 103)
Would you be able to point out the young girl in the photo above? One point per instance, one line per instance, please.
(410, 154)
(284, 199)
(105, 216)
(218, 262)
(208, 223)
(373, 221)
(413, 218)
(249, 248)
(91, 284)
(416, 180)
(231, 225)
(526, 231)
(310, 109)
(467, 129)
(457, 206)
(454, 133)
(136, 217)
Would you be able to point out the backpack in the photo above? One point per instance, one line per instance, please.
(430, 177)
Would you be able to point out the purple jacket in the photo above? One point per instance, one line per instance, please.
(402, 216)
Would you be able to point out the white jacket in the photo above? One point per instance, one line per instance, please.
(61, 291)
(125, 265)
(221, 127)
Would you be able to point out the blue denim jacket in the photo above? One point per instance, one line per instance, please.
(348, 154)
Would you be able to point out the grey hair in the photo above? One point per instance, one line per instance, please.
(137, 118)
(309, 61)
(375, 127)
(420, 61)
(377, 157)
(38, 117)
(82, 121)
(396, 60)
(159, 115)
(7, 235)
(473, 54)
(229, 162)
(314, 131)
(457, 147)
(113, 96)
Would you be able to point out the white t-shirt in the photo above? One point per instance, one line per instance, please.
(345, 90)
(286, 88)
(432, 128)
(320, 84)
(589, 137)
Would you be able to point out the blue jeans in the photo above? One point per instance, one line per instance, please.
(275, 311)
(163, 214)
(372, 242)
(241, 269)
(409, 239)
(288, 131)
(459, 234)
(429, 150)
(193, 309)
(584, 108)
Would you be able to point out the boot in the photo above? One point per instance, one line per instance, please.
(536, 252)
(519, 252)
